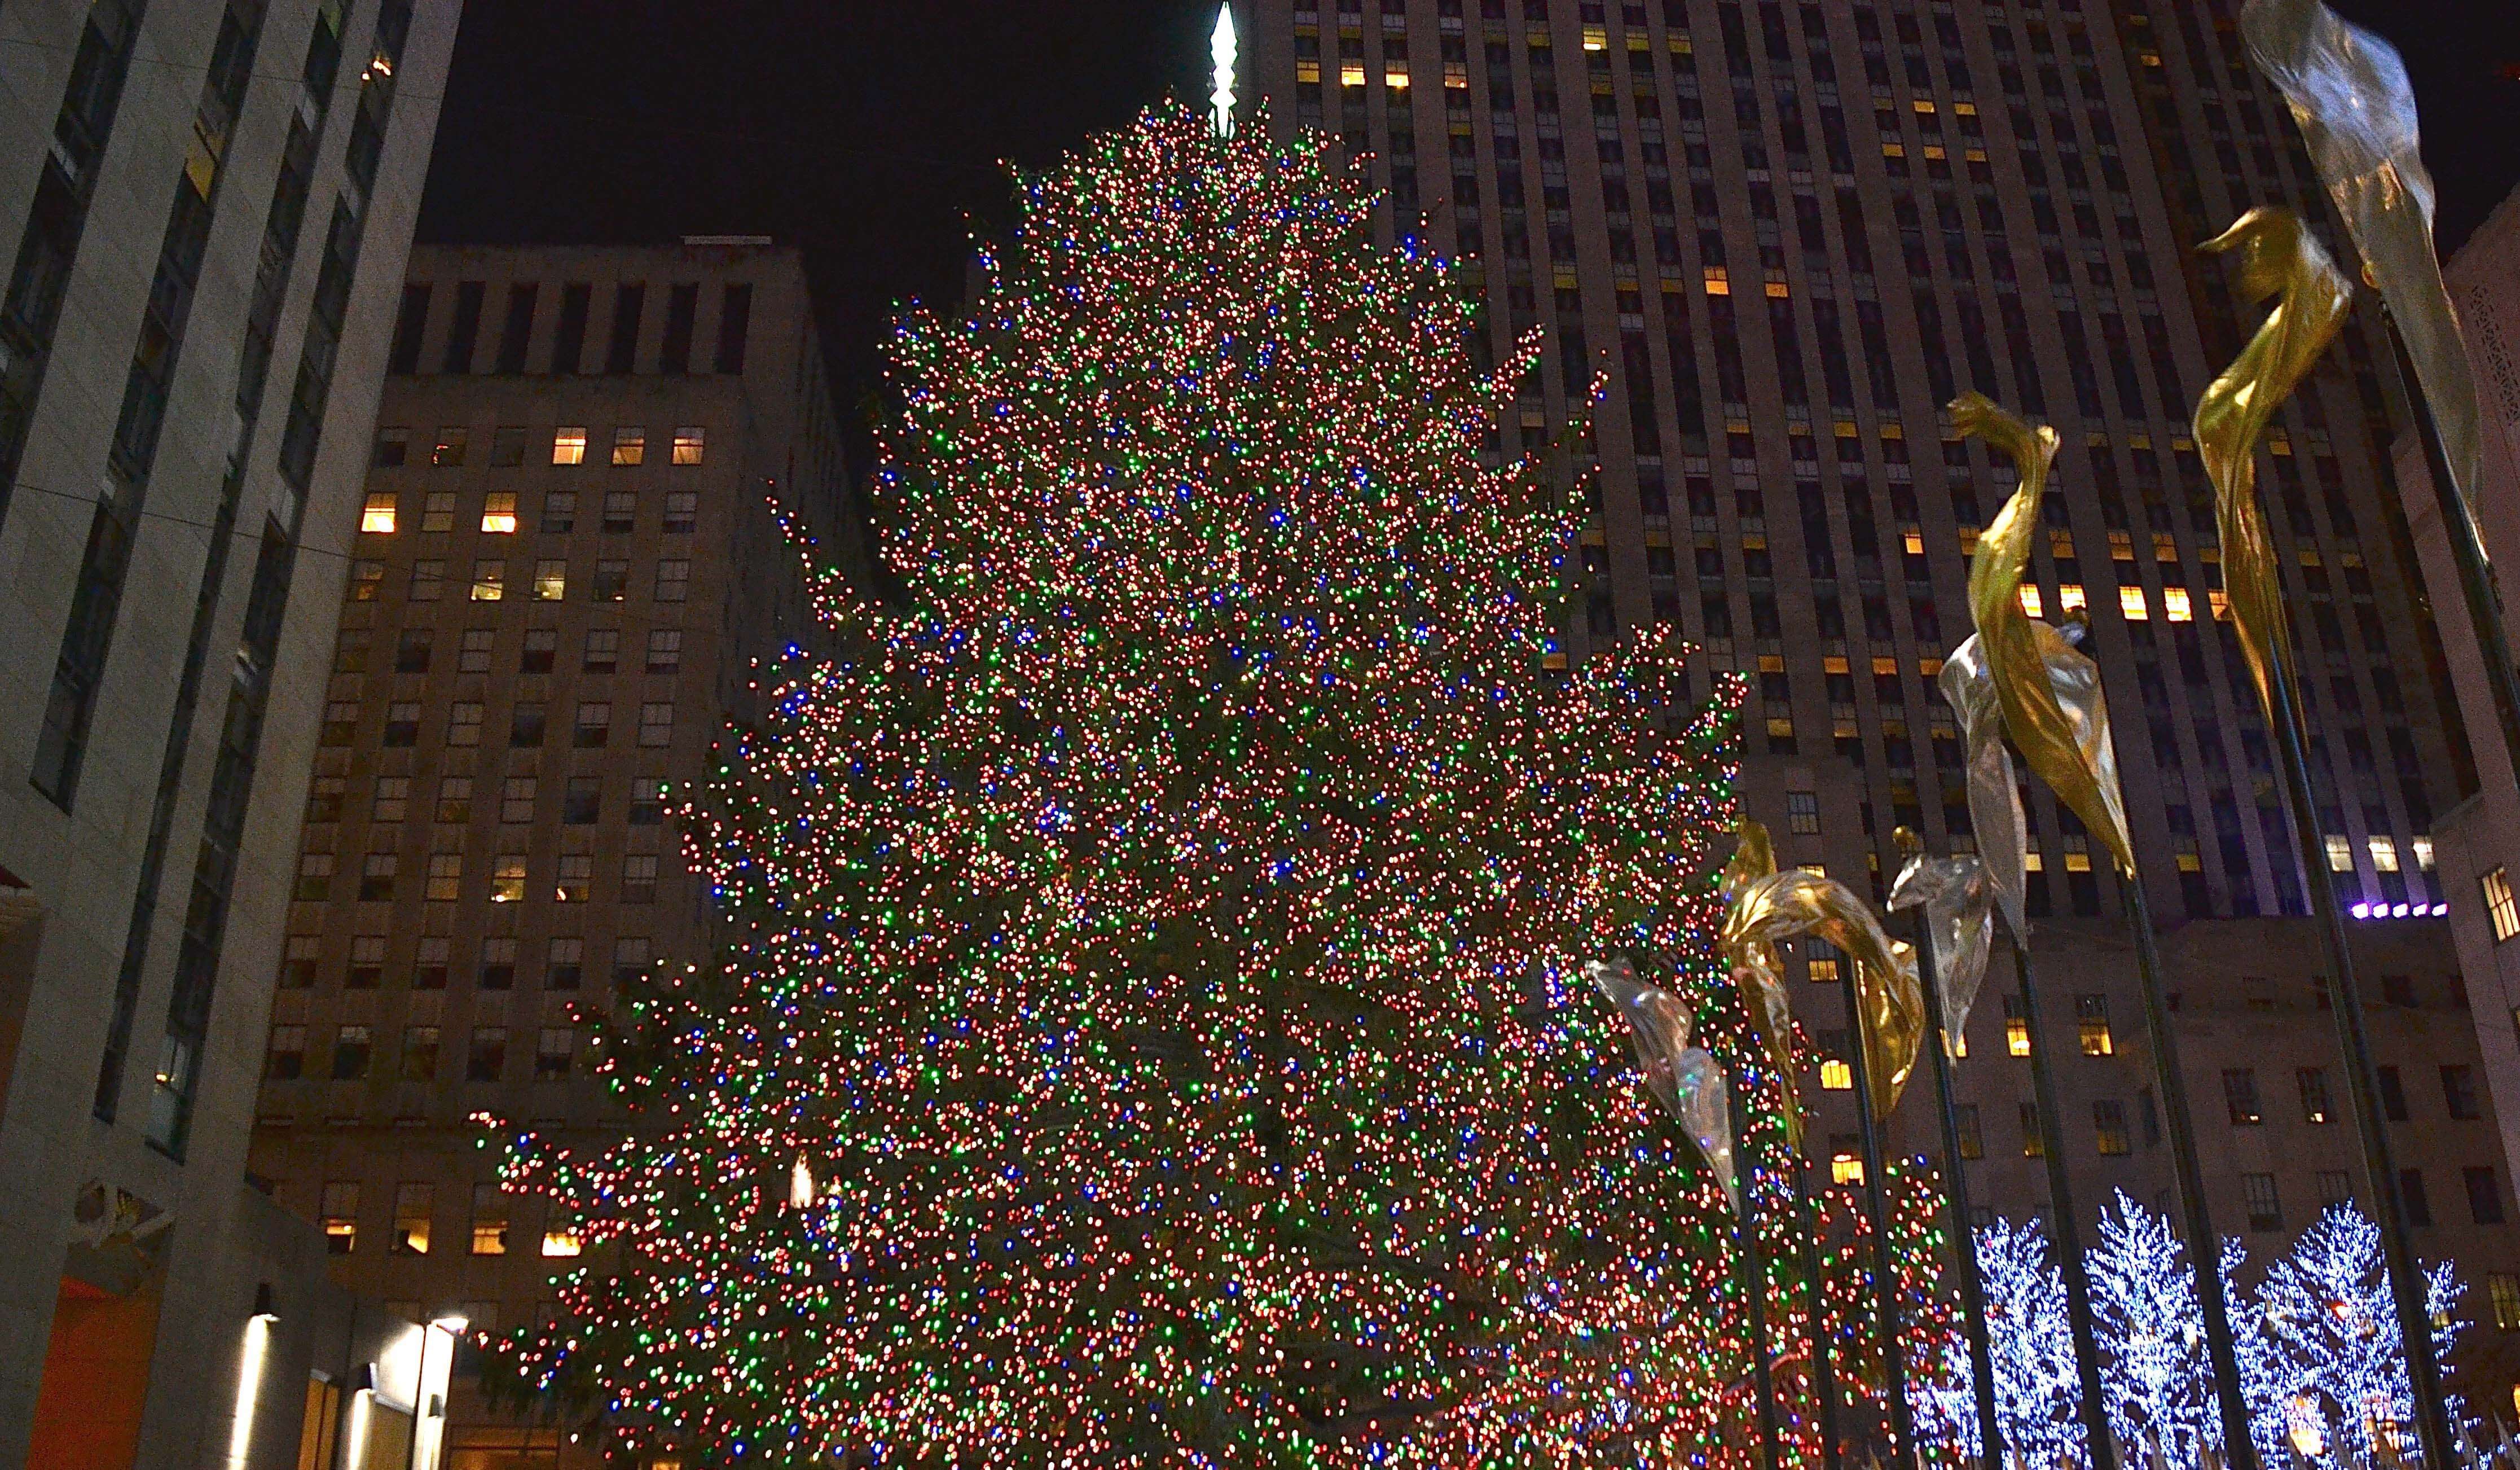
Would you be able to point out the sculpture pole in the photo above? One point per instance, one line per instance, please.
(1956, 1195)
(1754, 1279)
(1823, 1374)
(1876, 1202)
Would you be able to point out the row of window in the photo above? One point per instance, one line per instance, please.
(564, 962)
(383, 515)
(568, 444)
(600, 652)
(379, 878)
(568, 339)
(528, 723)
(520, 799)
(2461, 1095)
(547, 580)
(486, 1058)
(415, 1213)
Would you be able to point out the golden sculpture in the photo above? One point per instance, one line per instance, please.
(2050, 691)
(2277, 258)
(1764, 908)
(2350, 96)
(1958, 900)
(1759, 973)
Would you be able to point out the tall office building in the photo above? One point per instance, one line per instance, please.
(564, 575)
(1788, 232)
(2480, 836)
(207, 205)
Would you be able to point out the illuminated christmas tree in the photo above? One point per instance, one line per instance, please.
(1154, 1031)
(2038, 1397)
(2336, 1358)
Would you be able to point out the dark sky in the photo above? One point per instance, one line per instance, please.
(867, 130)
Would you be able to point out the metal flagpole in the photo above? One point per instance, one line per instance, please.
(1956, 1195)
(2204, 1247)
(1876, 1198)
(2379, 1164)
(1754, 1279)
(2066, 1231)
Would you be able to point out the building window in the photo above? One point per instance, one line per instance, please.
(2335, 1187)
(691, 443)
(2340, 853)
(413, 649)
(413, 1204)
(551, 578)
(1802, 812)
(2502, 1289)
(337, 1213)
(629, 960)
(2393, 1094)
(611, 581)
(449, 453)
(428, 963)
(377, 875)
(507, 446)
(1837, 1075)
(352, 1045)
(297, 961)
(394, 448)
(2240, 1095)
(2459, 1091)
(490, 1220)
(402, 724)
(639, 877)
(2016, 1027)
(568, 444)
(498, 963)
(437, 513)
(340, 723)
(489, 579)
(473, 657)
(2484, 1194)
(647, 803)
(2399, 990)
(576, 878)
(427, 580)
(378, 517)
(1972, 1142)
(603, 652)
(541, 645)
(454, 800)
(594, 728)
(314, 877)
(284, 1059)
(673, 580)
(526, 723)
(2109, 1127)
(581, 803)
(2315, 1106)
(664, 650)
(561, 1241)
(420, 1053)
(517, 800)
(657, 725)
(2092, 1026)
(487, 1060)
(682, 512)
(391, 800)
(367, 577)
(553, 1049)
(1845, 1158)
(621, 512)
(2410, 1189)
(2384, 854)
(630, 444)
(508, 879)
(463, 723)
(559, 513)
(498, 513)
(2130, 605)
(2264, 1209)
(564, 965)
(2034, 1143)
(2500, 904)
(324, 794)
(2176, 605)
(367, 963)
(445, 877)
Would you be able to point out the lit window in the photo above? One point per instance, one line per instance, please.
(2109, 1127)
(1824, 972)
(2240, 1095)
(2221, 602)
(2423, 847)
(551, 580)
(339, 1216)
(2500, 904)
(490, 1220)
(507, 881)
(2131, 603)
(2340, 853)
(413, 1205)
(2092, 1026)
(2502, 1289)
(2070, 599)
(2017, 1027)
(691, 441)
(1846, 1168)
(2384, 855)
(445, 877)
(576, 878)
(1836, 1076)
(498, 513)
(568, 446)
(2030, 601)
(489, 579)
(1351, 74)
(379, 517)
(559, 1242)
(2176, 606)
(1395, 76)
(1915, 542)
(630, 444)
(1596, 38)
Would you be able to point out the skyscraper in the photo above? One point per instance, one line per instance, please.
(207, 204)
(1787, 233)
(565, 573)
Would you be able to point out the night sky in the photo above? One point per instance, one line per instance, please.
(869, 131)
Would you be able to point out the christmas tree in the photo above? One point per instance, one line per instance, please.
(2335, 1356)
(2038, 1395)
(1153, 1030)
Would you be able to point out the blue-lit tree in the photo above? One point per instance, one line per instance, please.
(2333, 1333)
(2152, 1335)
(2030, 1341)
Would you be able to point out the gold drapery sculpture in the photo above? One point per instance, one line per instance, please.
(2050, 691)
(1764, 908)
(2277, 258)
(1958, 900)
(1686, 1080)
